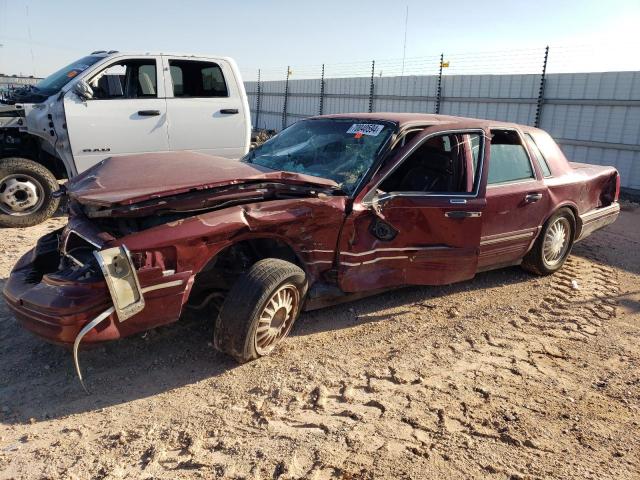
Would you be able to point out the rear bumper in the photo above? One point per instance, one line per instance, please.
(598, 218)
(56, 310)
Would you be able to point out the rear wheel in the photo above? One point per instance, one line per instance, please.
(26, 193)
(260, 309)
(553, 245)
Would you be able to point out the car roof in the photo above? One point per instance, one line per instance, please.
(406, 120)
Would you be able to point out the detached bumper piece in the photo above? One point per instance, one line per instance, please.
(597, 219)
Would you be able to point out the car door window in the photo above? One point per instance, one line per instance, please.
(192, 78)
(509, 159)
(441, 164)
(132, 78)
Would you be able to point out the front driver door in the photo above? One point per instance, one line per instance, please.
(127, 113)
(425, 227)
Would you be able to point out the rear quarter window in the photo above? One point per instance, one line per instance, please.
(544, 166)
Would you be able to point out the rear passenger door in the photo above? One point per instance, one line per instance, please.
(517, 201)
(204, 107)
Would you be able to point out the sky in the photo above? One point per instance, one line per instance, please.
(39, 36)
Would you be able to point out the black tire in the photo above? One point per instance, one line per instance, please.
(535, 261)
(45, 180)
(236, 330)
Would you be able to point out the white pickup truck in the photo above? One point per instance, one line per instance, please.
(109, 104)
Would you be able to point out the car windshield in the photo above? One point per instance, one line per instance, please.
(338, 149)
(59, 79)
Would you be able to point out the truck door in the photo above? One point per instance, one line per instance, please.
(206, 108)
(127, 113)
(424, 225)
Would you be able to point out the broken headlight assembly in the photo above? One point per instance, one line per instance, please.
(163, 258)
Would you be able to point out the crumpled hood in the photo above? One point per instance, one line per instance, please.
(133, 178)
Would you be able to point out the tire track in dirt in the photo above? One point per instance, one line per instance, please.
(423, 412)
(583, 297)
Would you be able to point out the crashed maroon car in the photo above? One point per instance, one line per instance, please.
(332, 208)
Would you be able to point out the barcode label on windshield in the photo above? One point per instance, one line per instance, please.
(372, 129)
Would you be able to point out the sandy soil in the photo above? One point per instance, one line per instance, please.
(508, 376)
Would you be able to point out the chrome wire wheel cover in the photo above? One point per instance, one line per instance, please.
(556, 241)
(20, 194)
(276, 318)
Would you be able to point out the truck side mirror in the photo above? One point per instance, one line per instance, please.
(83, 90)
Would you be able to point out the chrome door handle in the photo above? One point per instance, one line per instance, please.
(532, 197)
(462, 214)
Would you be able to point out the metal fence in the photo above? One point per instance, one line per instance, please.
(594, 116)
(8, 83)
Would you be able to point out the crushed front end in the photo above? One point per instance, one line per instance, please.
(57, 287)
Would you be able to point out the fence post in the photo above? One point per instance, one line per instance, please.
(536, 123)
(258, 103)
(439, 91)
(321, 108)
(373, 67)
(286, 98)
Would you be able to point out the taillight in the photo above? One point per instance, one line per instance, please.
(617, 195)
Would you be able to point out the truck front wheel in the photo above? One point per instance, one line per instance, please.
(26, 193)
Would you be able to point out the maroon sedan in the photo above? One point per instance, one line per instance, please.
(332, 208)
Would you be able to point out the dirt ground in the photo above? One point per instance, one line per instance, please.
(508, 376)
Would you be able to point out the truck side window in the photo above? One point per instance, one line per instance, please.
(509, 160)
(192, 78)
(126, 79)
(544, 166)
(439, 164)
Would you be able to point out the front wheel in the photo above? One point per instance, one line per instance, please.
(26, 193)
(260, 309)
(553, 245)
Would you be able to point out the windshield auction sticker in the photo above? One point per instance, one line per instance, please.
(372, 129)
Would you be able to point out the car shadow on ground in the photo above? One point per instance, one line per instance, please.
(38, 380)
(598, 252)
(367, 310)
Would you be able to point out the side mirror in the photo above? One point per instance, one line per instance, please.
(83, 90)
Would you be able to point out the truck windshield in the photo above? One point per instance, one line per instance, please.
(339, 149)
(55, 81)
